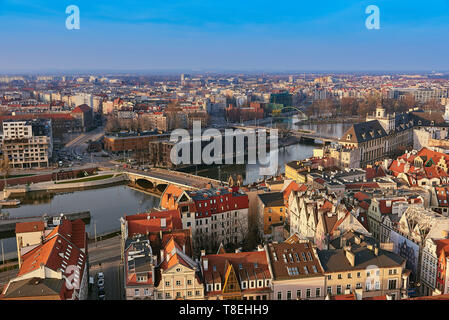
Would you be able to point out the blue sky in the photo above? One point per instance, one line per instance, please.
(247, 35)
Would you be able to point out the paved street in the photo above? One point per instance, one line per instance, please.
(6, 276)
(105, 257)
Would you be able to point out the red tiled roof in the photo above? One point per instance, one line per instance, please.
(81, 109)
(350, 296)
(144, 223)
(31, 226)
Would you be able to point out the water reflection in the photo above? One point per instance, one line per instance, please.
(106, 206)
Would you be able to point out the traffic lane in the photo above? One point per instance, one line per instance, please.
(112, 285)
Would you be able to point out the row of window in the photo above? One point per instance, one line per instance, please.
(299, 294)
(178, 294)
(178, 283)
(243, 284)
(368, 274)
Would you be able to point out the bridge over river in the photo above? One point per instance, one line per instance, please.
(157, 179)
(302, 135)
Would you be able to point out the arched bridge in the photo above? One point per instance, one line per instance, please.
(157, 180)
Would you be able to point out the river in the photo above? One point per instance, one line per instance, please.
(107, 205)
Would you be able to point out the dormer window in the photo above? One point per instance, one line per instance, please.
(252, 284)
(217, 287)
(244, 284)
(209, 287)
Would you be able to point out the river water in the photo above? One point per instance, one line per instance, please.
(107, 205)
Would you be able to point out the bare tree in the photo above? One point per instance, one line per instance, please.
(5, 169)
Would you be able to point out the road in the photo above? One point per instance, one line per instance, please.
(5, 276)
(105, 256)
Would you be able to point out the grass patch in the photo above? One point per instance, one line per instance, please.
(20, 176)
(92, 178)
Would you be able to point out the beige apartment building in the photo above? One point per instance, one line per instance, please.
(179, 275)
(359, 264)
(28, 143)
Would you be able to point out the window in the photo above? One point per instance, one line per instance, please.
(279, 295)
(189, 293)
(167, 295)
(377, 285)
(392, 284)
(308, 293)
(136, 292)
(349, 275)
(298, 294)
(329, 277)
(306, 270)
(339, 289)
(178, 283)
(289, 295)
(339, 276)
(167, 283)
(147, 291)
(359, 285)
(348, 287)
(358, 275)
(368, 286)
(189, 282)
(293, 271)
(317, 292)
(197, 293)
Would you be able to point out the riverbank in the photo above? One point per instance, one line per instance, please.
(105, 178)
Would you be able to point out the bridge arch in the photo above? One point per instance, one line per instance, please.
(144, 183)
(297, 109)
(161, 187)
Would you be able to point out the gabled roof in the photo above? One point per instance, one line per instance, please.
(247, 266)
(35, 288)
(365, 131)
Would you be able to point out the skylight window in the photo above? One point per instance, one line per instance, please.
(293, 271)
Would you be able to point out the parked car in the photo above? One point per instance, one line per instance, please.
(100, 283)
(101, 294)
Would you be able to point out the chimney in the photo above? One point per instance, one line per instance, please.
(350, 256)
(162, 255)
(205, 263)
(203, 253)
(163, 222)
(388, 246)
